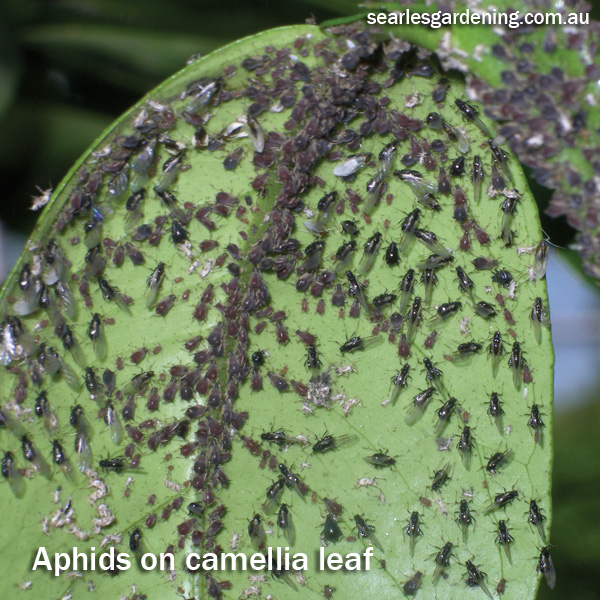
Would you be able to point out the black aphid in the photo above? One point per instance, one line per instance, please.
(331, 530)
(464, 518)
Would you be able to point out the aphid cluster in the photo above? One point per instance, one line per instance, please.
(313, 270)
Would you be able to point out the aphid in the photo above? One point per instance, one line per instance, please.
(384, 300)
(400, 381)
(255, 134)
(352, 164)
(196, 509)
(285, 523)
(278, 382)
(358, 343)
(371, 248)
(350, 228)
(444, 185)
(170, 169)
(292, 480)
(516, 362)
(26, 304)
(380, 460)
(133, 208)
(413, 530)
(495, 410)
(472, 114)
(280, 438)
(258, 358)
(411, 587)
(333, 508)
(43, 410)
(540, 259)
(111, 419)
(434, 121)
(419, 404)
(497, 460)
(366, 531)
(312, 360)
(135, 542)
(442, 561)
(256, 531)
(96, 334)
(483, 263)
(83, 452)
(313, 253)
(500, 501)
(538, 318)
(110, 294)
(78, 420)
(429, 280)
(497, 179)
(444, 413)
(509, 208)
(465, 446)
(464, 518)
(331, 530)
(329, 442)
(546, 567)
(408, 227)
(11, 474)
(93, 385)
(475, 577)
(422, 189)
(138, 382)
(343, 255)
(118, 465)
(457, 168)
(440, 477)
(434, 375)
(464, 282)
(496, 350)
(30, 454)
(477, 175)
(392, 255)
(501, 159)
(170, 202)
(504, 538)
(484, 310)
(356, 289)
(536, 423)
(374, 189)
(154, 282)
(179, 234)
(273, 495)
(406, 287)
(446, 310)
(414, 319)
(430, 240)
(457, 137)
(536, 518)
(60, 458)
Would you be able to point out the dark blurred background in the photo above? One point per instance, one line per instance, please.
(69, 68)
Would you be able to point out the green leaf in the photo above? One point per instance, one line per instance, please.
(230, 290)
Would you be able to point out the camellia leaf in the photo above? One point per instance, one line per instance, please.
(275, 281)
